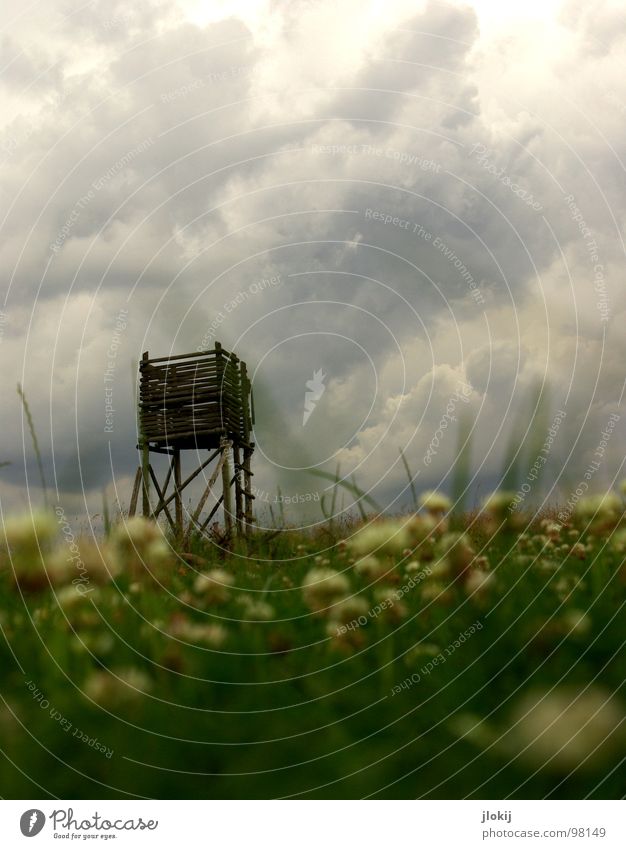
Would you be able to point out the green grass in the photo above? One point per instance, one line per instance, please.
(280, 708)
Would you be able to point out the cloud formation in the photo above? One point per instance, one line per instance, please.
(438, 204)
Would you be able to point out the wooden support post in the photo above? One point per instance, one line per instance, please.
(247, 483)
(165, 501)
(228, 508)
(248, 421)
(238, 490)
(211, 514)
(207, 491)
(145, 480)
(135, 495)
(162, 504)
(219, 371)
(145, 463)
(178, 501)
(213, 511)
(159, 493)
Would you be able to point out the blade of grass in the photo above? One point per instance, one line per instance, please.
(282, 507)
(333, 502)
(352, 488)
(411, 479)
(106, 516)
(33, 436)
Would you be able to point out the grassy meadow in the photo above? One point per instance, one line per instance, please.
(423, 655)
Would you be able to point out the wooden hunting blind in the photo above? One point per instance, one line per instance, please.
(200, 401)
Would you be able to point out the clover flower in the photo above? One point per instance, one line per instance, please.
(458, 550)
(73, 596)
(601, 506)
(28, 540)
(440, 570)
(424, 530)
(323, 588)
(499, 512)
(478, 584)
(435, 502)
(499, 503)
(116, 687)
(34, 572)
(350, 610)
(383, 536)
(343, 639)
(85, 563)
(214, 586)
(211, 633)
(392, 609)
(29, 532)
(256, 609)
(552, 529)
(372, 568)
(140, 547)
(566, 729)
(618, 541)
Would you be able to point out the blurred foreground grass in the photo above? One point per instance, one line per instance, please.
(420, 656)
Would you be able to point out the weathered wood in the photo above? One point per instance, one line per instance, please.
(208, 489)
(247, 484)
(160, 495)
(145, 462)
(180, 357)
(228, 508)
(238, 488)
(135, 494)
(211, 514)
(191, 477)
(168, 477)
(195, 401)
(178, 499)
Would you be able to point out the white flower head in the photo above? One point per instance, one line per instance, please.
(29, 531)
(566, 728)
(607, 505)
(140, 546)
(371, 567)
(499, 503)
(383, 536)
(435, 502)
(215, 585)
(323, 588)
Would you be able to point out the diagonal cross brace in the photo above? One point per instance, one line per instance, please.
(209, 486)
(177, 490)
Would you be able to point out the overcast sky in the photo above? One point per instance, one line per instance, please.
(424, 203)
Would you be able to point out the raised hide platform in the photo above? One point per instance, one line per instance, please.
(195, 402)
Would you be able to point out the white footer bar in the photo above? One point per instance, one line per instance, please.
(313, 824)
